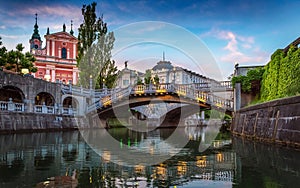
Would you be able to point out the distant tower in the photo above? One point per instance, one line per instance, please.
(72, 32)
(35, 41)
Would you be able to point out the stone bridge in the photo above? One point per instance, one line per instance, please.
(120, 102)
(25, 94)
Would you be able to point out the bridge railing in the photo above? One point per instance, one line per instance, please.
(41, 109)
(181, 89)
(11, 106)
(152, 88)
(204, 97)
(44, 109)
(75, 90)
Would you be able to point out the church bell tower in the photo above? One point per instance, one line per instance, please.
(35, 41)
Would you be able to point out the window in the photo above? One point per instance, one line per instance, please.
(125, 82)
(70, 81)
(64, 53)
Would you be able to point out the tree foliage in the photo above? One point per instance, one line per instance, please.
(16, 60)
(94, 50)
(247, 82)
(90, 30)
(147, 78)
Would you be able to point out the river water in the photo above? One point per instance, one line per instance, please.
(31, 159)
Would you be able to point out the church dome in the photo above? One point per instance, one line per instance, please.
(163, 65)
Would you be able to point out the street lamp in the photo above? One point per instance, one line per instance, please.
(174, 70)
(91, 82)
(24, 71)
(103, 83)
(47, 77)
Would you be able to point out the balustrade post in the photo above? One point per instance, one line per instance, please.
(28, 105)
(44, 108)
(70, 110)
(10, 105)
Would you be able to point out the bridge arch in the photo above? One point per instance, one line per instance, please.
(44, 98)
(13, 92)
(71, 102)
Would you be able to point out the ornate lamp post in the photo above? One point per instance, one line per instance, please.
(91, 82)
(24, 71)
(174, 71)
(47, 77)
(103, 83)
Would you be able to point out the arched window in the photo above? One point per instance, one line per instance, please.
(64, 53)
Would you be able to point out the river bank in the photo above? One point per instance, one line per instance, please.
(276, 121)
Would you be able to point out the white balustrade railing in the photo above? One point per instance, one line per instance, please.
(187, 90)
(11, 106)
(44, 109)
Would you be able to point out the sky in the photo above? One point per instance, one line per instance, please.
(244, 32)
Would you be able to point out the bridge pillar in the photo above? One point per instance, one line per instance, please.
(237, 96)
(202, 115)
(29, 105)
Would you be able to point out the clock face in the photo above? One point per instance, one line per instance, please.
(36, 46)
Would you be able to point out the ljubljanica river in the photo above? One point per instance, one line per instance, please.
(50, 159)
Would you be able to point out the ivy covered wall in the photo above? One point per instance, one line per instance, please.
(282, 75)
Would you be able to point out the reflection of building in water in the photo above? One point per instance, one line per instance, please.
(95, 171)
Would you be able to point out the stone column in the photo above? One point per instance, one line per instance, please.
(74, 51)
(53, 48)
(75, 70)
(202, 115)
(237, 96)
(68, 53)
(48, 47)
(53, 75)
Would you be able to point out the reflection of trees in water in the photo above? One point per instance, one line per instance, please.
(11, 170)
(91, 177)
(44, 161)
(70, 152)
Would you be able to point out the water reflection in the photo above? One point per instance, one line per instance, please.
(28, 159)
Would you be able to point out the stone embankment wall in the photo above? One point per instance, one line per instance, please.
(14, 122)
(276, 121)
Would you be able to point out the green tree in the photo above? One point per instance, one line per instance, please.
(156, 79)
(91, 29)
(94, 50)
(16, 60)
(3, 54)
(139, 81)
(247, 82)
(147, 79)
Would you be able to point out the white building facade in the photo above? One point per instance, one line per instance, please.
(165, 71)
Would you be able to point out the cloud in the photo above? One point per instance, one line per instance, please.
(12, 36)
(238, 48)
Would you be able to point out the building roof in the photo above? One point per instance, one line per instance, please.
(163, 65)
(61, 34)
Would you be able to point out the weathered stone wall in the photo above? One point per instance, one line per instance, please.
(276, 121)
(13, 121)
(31, 86)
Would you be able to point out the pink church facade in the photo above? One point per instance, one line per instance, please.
(56, 62)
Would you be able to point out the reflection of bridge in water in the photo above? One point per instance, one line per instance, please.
(58, 153)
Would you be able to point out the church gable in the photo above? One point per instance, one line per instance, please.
(62, 35)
